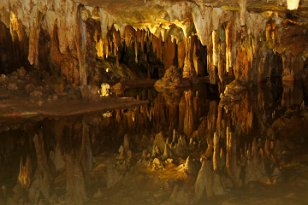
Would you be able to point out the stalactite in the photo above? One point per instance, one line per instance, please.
(99, 48)
(81, 44)
(34, 40)
(198, 55)
(228, 46)
(106, 22)
(117, 42)
(202, 18)
(243, 65)
(15, 27)
(106, 48)
(243, 4)
(129, 34)
(221, 57)
(169, 51)
(245, 55)
(136, 49)
(215, 48)
(181, 54)
(188, 70)
(157, 47)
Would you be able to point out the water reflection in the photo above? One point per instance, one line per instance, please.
(184, 147)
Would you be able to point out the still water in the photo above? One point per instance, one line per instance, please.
(183, 147)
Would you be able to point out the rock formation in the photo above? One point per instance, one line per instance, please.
(237, 35)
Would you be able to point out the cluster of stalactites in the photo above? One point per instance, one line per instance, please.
(232, 38)
(179, 49)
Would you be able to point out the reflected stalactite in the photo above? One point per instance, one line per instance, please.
(216, 152)
(43, 177)
(212, 116)
(86, 149)
(292, 67)
(77, 158)
(75, 181)
(204, 181)
(291, 96)
(25, 171)
(189, 120)
(228, 150)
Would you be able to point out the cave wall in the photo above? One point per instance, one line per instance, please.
(198, 37)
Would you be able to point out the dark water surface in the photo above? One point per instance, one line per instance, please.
(184, 147)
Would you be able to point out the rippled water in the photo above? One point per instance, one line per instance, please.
(183, 147)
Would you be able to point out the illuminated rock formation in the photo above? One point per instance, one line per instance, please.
(237, 35)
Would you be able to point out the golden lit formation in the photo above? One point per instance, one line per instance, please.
(158, 102)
